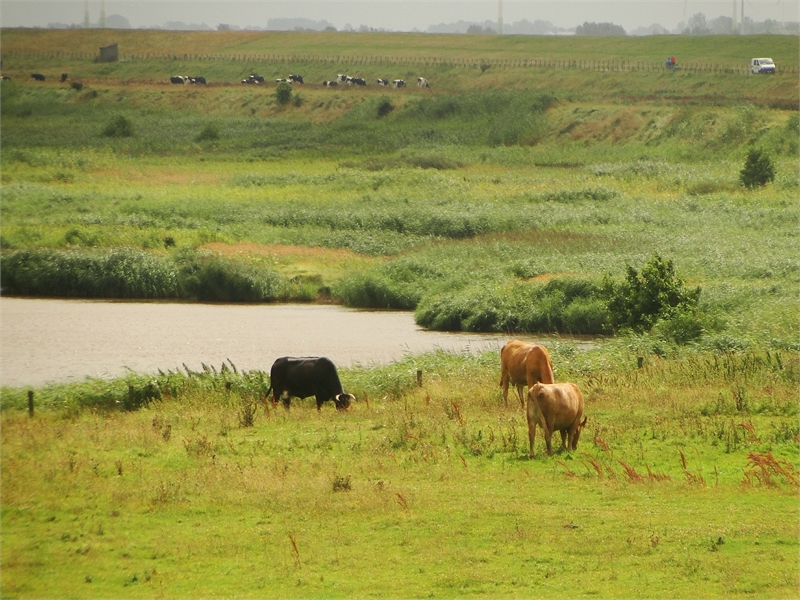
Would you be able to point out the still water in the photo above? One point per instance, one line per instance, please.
(43, 341)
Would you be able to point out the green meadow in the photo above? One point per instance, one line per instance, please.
(513, 196)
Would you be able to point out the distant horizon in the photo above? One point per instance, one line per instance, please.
(432, 16)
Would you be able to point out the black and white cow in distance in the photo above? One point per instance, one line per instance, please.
(37, 76)
(253, 79)
(330, 83)
(179, 79)
(398, 83)
(422, 82)
(383, 82)
(356, 81)
(295, 79)
(340, 78)
(292, 377)
(195, 80)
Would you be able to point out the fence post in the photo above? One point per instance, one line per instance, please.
(419, 377)
(30, 403)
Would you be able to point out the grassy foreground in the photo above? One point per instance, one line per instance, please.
(684, 486)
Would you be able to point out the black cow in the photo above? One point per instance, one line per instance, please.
(64, 77)
(197, 80)
(178, 79)
(295, 79)
(356, 81)
(307, 376)
(37, 76)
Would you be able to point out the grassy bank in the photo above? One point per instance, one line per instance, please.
(469, 203)
(684, 484)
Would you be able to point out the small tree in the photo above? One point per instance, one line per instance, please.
(118, 127)
(758, 169)
(642, 299)
(283, 94)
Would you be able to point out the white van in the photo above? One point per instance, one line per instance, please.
(762, 65)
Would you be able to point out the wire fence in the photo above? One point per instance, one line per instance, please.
(610, 65)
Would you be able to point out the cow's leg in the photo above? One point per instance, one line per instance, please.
(548, 436)
(504, 385)
(531, 436)
(563, 433)
(520, 387)
(320, 402)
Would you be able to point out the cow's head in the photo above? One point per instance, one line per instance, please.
(576, 436)
(342, 401)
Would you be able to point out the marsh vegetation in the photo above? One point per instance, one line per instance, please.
(507, 199)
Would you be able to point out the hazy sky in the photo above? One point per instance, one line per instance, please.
(390, 14)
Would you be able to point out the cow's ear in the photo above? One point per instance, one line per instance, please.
(584, 421)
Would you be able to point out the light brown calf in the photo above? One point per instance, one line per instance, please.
(555, 407)
(521, 364)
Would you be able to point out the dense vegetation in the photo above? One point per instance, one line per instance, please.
(589, 192)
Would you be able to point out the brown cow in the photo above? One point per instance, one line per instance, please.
(521, 364)
(555, 407)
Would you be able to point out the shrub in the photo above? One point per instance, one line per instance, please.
(283, 94)
(384, 108)
(758, 169)
(642, 299)
(216, 279)
(119, 126)
(76, 85)
(209, 133)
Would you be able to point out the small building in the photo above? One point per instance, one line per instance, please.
(109, 53)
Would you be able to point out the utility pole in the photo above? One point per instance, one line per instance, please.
(86, 22)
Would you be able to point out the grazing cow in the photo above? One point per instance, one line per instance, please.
(198, 80)
(5, 78)
(521, 364)
(282, 81)
(555, 407)
(64, 77)
(37, 76)
(330, 83)
(383, 82)
(307, 376)
(356, 81)
(253, 79)
(422, 82)
(178, 79)
(398, 83)
(340, 78)
(295, 79)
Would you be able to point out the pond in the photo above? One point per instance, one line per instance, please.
(44, 341)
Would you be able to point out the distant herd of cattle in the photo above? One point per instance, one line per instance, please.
(341, 79)
(552, 406)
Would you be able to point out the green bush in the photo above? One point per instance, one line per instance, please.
(283, 94)
(384, 108)
(561, 305)
(758, 169)
(119, 126)
(216, 279)
(642, 299)
(210, 133)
